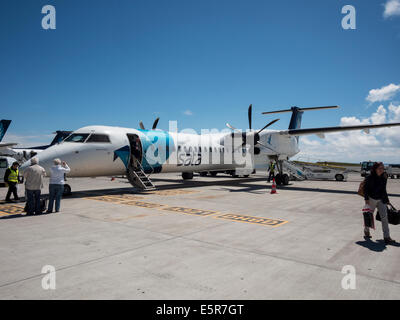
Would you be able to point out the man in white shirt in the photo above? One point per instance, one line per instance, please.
(56, 187)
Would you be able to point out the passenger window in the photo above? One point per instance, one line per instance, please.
(77, 137)
(3, 163)
(103, 138)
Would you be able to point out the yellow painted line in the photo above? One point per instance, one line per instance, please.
(171, 192)
(255, 220)
(143, 204)
(112, 199)
(101, 198)
(11, 209)
(198, 212)
(124, 197)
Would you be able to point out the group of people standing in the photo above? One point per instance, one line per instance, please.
(33, 177)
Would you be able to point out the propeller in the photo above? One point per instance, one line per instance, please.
(250, 114)
(155, 123)
(255, 134)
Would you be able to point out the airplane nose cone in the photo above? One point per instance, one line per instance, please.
(45, 158)
(25, 165)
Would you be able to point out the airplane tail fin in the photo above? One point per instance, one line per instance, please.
(297, 113)
(4, 124)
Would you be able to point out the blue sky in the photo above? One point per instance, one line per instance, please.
(119, 62)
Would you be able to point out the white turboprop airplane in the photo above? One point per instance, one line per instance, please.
(109, 151)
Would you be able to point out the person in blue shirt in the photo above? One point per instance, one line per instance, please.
(56, 187)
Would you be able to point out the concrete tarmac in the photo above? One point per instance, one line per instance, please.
(209, 238)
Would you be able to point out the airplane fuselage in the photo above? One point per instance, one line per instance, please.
(107, 151)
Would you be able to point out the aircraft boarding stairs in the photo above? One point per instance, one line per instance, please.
(138, 178)
(295, 170)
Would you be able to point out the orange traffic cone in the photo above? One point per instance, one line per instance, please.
(273, 188)
(112, 178)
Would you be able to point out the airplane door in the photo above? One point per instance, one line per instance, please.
(136, 150)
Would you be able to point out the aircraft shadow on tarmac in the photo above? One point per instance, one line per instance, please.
(246, 186)
(239, 184)
(377, 246)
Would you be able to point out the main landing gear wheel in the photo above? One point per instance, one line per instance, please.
(187, 175)
(278, 179)
(339, 177)
(213, 173)
(285, 179)
(282, 179)
(203, 174)
(67, 190)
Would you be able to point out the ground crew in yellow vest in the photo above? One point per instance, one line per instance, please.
(11, 178)
(271, 171)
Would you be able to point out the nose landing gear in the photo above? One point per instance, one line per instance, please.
(67, 190)
(281, 178)
(187, 175)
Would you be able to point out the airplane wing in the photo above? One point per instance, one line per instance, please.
(7, 145)
(321, 131)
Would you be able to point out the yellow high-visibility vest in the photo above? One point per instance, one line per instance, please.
(13, 177)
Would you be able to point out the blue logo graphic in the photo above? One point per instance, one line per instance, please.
(155, 145)
(123, 153)
(155, 150)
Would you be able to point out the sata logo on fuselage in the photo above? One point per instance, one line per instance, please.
(189, 157)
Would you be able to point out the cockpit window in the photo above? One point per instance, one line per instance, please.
(77, 137)
(99, 138)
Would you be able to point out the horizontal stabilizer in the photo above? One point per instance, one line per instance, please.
(6, 145)
(302, 109)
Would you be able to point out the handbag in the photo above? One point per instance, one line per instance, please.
(392, 213)
(368, 214)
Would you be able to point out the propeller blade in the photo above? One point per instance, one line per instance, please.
(269, 124)
(231, 127)
(155, 123)
(141, 125)
(249, 114)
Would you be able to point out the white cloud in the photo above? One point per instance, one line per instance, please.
(356, 146)
(392, 8)
(384, 93)
(395, 112)
(188, 113)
